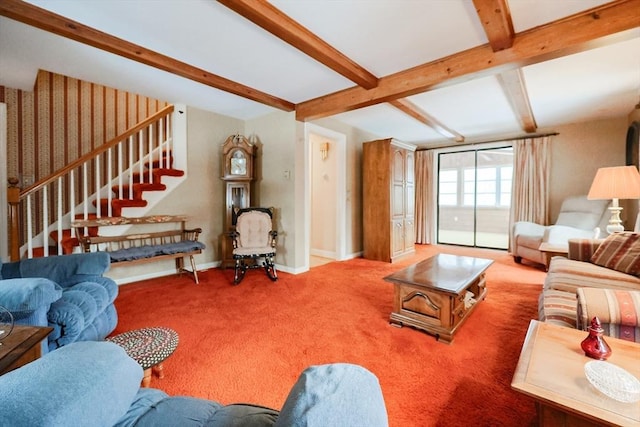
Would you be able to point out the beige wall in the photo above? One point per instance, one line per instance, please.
(576, 154)
(201, 195)
(276, 138)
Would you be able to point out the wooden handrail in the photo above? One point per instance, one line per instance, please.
(131, 131)
(13, 198)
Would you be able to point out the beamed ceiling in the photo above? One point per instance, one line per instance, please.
(430, 72)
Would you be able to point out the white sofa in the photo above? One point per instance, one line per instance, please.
(579, 218)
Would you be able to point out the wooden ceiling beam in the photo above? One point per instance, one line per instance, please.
(273, 20)
(514, 87)
(592, 28)
(56, 24)
(496, 20)
(417, 113)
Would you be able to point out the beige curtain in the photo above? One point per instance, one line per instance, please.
(530, 192)
(425, 204)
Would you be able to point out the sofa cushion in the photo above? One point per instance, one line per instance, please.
(154, 408)
(620, 252)
(82, 384)
(569, 275)
(558, 307)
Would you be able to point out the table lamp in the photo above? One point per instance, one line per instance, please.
(618, 182)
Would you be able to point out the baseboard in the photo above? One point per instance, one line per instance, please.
(215, 264)
(163, 273)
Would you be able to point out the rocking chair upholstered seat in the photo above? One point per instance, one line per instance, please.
(254, 238)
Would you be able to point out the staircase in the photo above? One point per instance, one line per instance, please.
(113, 180)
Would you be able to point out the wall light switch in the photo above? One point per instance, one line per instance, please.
(287, 174)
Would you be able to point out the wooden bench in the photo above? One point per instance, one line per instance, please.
(152, 241)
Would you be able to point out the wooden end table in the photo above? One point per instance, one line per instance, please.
(550, 250)
(22, 346)
(438, 294)
(551, 371)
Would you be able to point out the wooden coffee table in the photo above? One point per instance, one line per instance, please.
(551, 371)
(438, 294)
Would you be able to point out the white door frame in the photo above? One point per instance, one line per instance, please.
(341, 187)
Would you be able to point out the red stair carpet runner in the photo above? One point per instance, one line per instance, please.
(141, 183)
(249, 343)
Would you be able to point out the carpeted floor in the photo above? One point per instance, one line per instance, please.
(248, 343)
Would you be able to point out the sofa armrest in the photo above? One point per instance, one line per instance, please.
(583, 249)
(334, 394)
(526, 228)
(618, 311)
(22, 297)
(86, 383)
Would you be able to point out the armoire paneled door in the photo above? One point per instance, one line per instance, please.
(388, 168)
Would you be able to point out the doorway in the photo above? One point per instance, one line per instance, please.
(327, 222)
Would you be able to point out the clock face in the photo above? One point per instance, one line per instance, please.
(238, 166)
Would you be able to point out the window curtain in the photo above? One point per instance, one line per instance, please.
(530, 192)
(425, 197)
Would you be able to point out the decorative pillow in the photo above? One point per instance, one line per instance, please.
(620, 252)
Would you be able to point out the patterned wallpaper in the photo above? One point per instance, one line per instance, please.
(63, 119)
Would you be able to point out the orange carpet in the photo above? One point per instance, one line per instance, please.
(248, 343)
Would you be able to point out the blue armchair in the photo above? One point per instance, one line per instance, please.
(68, 293)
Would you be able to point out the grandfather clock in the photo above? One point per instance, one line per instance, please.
(237, 172)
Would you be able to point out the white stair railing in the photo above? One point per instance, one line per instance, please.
(102, 175)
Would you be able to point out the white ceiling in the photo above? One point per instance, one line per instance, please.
(383, 36)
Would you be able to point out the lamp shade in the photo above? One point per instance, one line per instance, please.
(618, 182)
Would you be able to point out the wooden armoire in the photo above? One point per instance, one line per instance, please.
(388, 200)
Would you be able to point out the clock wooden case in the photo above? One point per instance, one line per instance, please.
(238, 154)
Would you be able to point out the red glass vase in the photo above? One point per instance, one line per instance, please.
(594, 345)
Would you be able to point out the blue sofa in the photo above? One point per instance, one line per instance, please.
(97, 384)
(68, 293)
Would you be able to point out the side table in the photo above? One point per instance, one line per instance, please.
(550, 250)
(22, 346)
(149, 347)
(551, 371)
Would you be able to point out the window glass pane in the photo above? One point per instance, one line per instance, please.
(448, 199)
(486, 199)
(469, 174)
(486, 174)
(448, 175)
(469, 199)
(448, 187)
(486, 186)
(469, 187)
